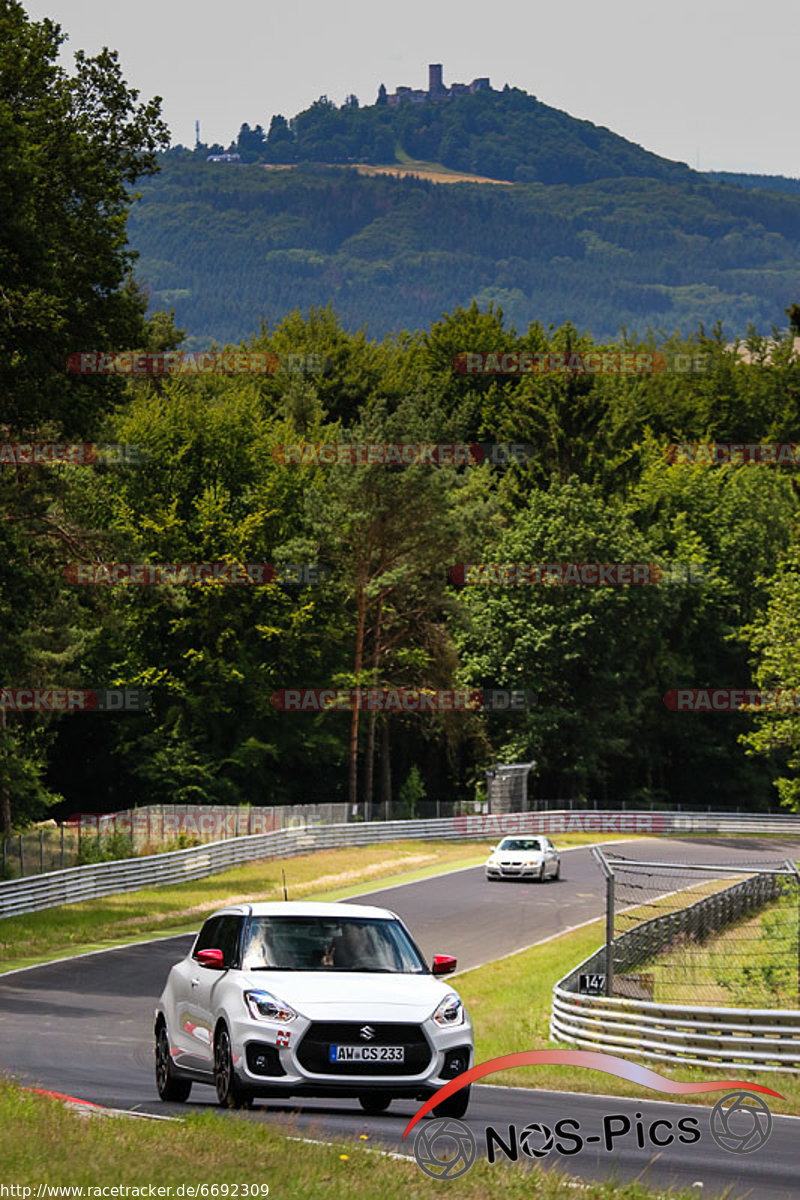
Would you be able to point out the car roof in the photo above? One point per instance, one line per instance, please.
(307, 908)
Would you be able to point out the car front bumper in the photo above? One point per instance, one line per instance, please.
(274, 1060)
(526, 871)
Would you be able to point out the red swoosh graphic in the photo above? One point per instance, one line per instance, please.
(583, 1058)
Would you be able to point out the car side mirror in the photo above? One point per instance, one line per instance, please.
(443, 964)
(211, 958)
(492, 849)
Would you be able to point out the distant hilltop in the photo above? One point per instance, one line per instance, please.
(436, 89)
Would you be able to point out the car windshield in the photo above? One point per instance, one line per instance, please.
(519, 844)
(326, 944)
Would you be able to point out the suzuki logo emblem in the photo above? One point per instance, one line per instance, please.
(367, 1033)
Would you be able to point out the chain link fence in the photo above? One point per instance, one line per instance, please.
(158, 828)
(679, 933)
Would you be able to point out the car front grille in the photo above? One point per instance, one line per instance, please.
(312, 1053)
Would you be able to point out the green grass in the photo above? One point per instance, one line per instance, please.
(753, 963)
(44, 1142)
(181, 908)
(509, 1002)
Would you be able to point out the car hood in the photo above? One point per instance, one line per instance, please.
(353, 995)
(513, 856)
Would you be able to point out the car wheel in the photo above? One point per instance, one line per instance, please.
(168, 1085)
(454, 1106)
(374, 1102)
(230, 1092)
(558, 870)
(540, 876)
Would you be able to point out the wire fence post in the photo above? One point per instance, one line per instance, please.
(792, 867)
(610, 934)
(21, 857)
(607, 870)
(41, 851)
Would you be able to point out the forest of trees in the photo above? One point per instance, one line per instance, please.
(505, 134)
(222, 242)
(597, 488)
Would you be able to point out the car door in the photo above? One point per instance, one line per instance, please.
(550, 857)
(205, 982)
(186, 1033)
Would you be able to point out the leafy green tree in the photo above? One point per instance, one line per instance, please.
(774, 639)
(390, 567)
(74, 143)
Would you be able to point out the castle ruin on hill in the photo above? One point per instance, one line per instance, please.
(436, 89)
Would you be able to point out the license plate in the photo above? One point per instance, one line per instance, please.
(338, 1054)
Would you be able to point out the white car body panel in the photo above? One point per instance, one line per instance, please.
(197, 998)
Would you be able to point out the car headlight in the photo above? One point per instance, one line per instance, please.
(263, 1006)
(450, 1012)
(492, 862)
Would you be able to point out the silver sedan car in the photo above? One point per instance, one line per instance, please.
(531, 858)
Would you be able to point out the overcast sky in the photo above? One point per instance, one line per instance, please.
(708, 82)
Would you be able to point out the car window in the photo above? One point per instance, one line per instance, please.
(520, 844)
(228, 939)
(221, 933)
(327, 944)
(207, 938)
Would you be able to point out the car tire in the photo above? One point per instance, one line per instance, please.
(454, 1106)
(168, 1085)
(540, 876)
(557, 875)
(374, 1103)
(230, 1092)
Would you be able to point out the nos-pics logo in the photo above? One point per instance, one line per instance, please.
(445, 1148)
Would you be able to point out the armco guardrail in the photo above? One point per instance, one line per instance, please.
(105, 879)
(753, 1039)
(693, 1035)
(126, 875)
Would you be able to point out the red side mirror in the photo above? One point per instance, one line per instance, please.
(211, 958)
(443, 964)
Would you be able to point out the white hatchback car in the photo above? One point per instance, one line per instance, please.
(522, 857)
(296, 998)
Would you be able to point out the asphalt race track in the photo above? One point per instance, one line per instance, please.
(84, 1027)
